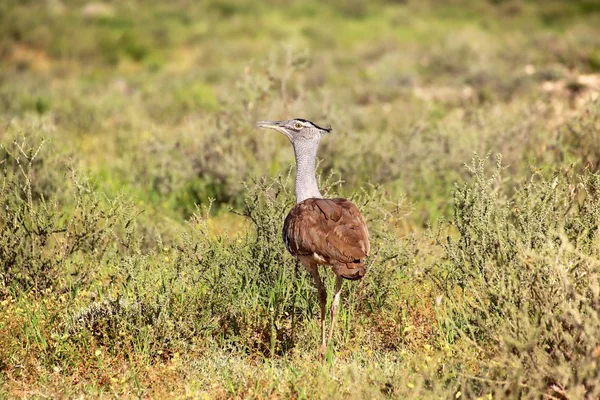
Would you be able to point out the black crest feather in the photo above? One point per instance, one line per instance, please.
(315, 125)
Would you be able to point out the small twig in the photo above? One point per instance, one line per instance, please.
(480, 379)
(375, 257)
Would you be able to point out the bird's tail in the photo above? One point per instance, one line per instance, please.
(351, 271)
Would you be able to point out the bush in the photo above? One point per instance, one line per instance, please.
(521, 280)
(41, 241)
(243, 291)
(582, 137)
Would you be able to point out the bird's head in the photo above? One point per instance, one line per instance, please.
(296, 129)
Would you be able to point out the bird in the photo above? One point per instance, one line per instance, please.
(321, 231)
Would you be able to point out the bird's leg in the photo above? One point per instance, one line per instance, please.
(335, 304)
(322, 303)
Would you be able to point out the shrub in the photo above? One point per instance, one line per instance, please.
(41, 241)
(521, 280)
(581, 136)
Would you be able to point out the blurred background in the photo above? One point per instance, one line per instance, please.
(159, 99)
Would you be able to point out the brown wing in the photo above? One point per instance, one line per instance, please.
(333, 231)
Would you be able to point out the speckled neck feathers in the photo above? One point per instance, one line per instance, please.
(306, 182)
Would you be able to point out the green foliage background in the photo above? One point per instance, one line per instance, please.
(140, 209)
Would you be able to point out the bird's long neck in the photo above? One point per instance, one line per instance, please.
(306, 182)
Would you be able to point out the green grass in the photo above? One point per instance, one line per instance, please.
(140, 208)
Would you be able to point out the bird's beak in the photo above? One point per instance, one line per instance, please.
(277, 125)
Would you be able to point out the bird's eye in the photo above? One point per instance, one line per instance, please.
(297, 125)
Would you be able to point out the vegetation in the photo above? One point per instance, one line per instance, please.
(140, 209)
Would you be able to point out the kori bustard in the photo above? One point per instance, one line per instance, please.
(319, 231)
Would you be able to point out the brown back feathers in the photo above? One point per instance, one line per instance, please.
(331, 231)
